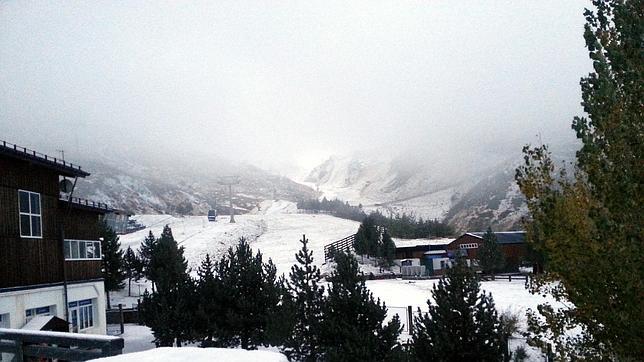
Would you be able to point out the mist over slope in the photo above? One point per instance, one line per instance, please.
(470, 193)
(188, 187)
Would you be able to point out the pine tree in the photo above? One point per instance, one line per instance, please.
(388, 249)
(352, 328)
(169, 311)
(145, 254)
(112, 260)
(170, 314)
(490, 256)
(282, 318)
(462, 323)
(132, 267)
(210, 308)
(360, 241)
(245, 319)
(303, 343)
(588, 224)
(167, 266)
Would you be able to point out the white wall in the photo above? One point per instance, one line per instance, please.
(15, 303)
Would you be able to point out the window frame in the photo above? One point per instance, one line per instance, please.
(85, 314)
(34, 312)
(469, 246)
(30, 215)
(74, 248)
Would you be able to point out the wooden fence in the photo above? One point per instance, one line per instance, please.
(22, 344)
(345, 244)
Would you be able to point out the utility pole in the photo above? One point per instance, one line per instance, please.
(232, 210)
(230, 181)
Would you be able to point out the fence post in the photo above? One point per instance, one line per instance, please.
(509, 278)
(121, 318)
(19, 356)
(138, 311)
(410, 319)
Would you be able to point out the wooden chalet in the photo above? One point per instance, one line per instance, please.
(49, 244)
(512, 245)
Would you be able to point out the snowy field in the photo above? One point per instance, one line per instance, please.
(195, 354)
(275, 229)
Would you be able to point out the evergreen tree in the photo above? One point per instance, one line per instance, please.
(209, 305)
(490, 256)
(282, 318)
(388, 249)
(170, 313)
(169, 310)
(462, 323)
(167, 266)
(145, 254)
(360, 241)
(352, 328)
(112, 260)
(132, 267)
(588, 224)
(303, 343)
(245, 318)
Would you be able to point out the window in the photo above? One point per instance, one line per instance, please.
(30, 313)
(469, 246)
(30, 214)
(82, 250)
(4, 321)
(81, 314)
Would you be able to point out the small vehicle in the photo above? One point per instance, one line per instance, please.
(212, 215)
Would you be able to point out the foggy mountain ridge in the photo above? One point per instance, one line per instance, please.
(188, 188)
(469, 194)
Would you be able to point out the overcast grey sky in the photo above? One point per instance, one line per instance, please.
(279, 83)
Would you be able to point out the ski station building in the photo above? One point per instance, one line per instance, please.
(50, 251)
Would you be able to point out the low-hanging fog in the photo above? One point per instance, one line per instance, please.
(285, 85)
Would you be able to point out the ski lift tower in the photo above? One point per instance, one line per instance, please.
(230, 181)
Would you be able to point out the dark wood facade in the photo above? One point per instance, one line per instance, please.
(35, 261)
(514, 253)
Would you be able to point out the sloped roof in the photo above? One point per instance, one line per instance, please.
(63, 167)
(504, 237)
(410, 243)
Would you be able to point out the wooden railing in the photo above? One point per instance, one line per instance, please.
(85, 202)
(57, 345)
(345, 244)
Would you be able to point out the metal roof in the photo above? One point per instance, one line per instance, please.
(411, 243)
(63, 167)
(504, 237)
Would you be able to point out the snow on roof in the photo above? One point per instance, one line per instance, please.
(435, 252)
(504, 237)
(24, 332)
(194, 354)
(409, 243)
(38, 322)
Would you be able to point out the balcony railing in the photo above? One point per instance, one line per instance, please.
(86, 202)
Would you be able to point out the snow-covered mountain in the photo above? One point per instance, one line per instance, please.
(470, 193)
(191, 187)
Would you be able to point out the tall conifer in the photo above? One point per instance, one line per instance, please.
(462, 323)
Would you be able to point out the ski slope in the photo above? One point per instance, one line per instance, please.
(275, 229)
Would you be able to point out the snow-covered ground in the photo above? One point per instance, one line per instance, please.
(275, 229)
(195, 354)
(508, 296)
